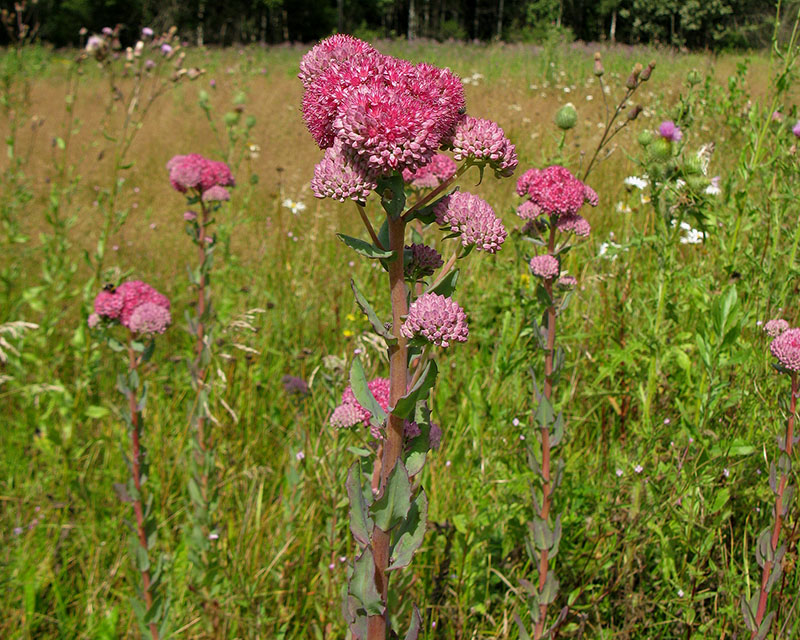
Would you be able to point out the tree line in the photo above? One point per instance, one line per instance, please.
(711, 24)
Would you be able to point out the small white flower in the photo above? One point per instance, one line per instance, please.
(726, 472)
(515, 422)
(294, 207)
(300, 456)
(638, 468)
(589, 97)
(619, 473)
(623, 207)
(693, 236)
(636, 181)
(680, 593)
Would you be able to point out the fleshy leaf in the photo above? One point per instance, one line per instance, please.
(410, 534)
(358, 383)
(447, 286)
(406, 404)
(395, 502)
(393, 195)
(416, 625)
(360, 524)
(376, 323)
(364, 248)
(362, 584)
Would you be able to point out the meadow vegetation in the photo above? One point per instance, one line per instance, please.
(672, 404)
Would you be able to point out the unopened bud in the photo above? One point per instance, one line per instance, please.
(645, 76)
(697, 183)
(634, 113)
(137, 50)
(693, 77)
(646, 137)
(598, 65)
(566, 117)
(661, 149)
(633, 79)
(129, 54)
(693, 166)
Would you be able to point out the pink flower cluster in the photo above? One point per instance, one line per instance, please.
(473, 218)
(342, 175)
(545, 266)
(554, 191)
(786, 348)
(350, 412)
(193, 171)
(438, 319)
(134, 305)
(431, 175)
(774, 328)
(422, 261)
(484, 142)
(390, 112)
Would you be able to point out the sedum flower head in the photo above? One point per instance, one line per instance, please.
(473, 218)
(135, 293)
(484, 142)
(347, 415)
(216, 194)
(149, 318)
(431, 175)
(545, 266)
(342, 175)
(786, 348)
(108, 304)
(555, 190)
(574, 223)
(776, 327)
(424, 260)
(193, 171)
(528, 210)
(337, 48)
(438, 319)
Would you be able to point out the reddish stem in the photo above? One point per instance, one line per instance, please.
(133, 363)
(548, 393)
(393, 444)
(201, 309)
(776, 530)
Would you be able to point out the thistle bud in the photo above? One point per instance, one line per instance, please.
(633, 79)
(693, 77)
(645, 76)
(661, 150)
(697, 183)
(693, 166)
(634, 113)
(646, 137)
(598, 65)
(566, 117)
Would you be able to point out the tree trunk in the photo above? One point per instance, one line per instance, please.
(499, 33)
(612, 32)
(201, 9)
(412, 20)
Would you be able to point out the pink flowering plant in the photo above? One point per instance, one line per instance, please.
(771, 545)
(205, 184)
(144, 313)
(386, 127)
(553, 199)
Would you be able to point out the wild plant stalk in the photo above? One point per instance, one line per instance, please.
(143, 312)
(407, 121)
(769, 555)
(553, 193)
(204, 182)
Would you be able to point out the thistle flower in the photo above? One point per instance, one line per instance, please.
(484, 142)
(424, 261)
(776, 327)
(545, 266)
(431, 175)
(147, 32)
(438, 319)
(796, 129)
(149, 318)
(670, 131)
(341, 176)
(473, 218)
(786, 348)
(337, 48)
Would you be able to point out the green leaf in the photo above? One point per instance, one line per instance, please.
(364, 248)
(415, 626)
(544, 413)
(360, 524)
(376, 323)
(96, 412)
(362, 584)
(447, 286)
(358, 383)
(406, 404)
(410, 534)
(395, 502)
(550, 588)
(393, 195)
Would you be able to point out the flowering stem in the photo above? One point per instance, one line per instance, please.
(545, 431)
(419, 204)
(199, 344)
(776, 530)
(393, 444)
(133, 363)
(606, 138)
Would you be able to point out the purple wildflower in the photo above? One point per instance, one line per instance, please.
(670, 131)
